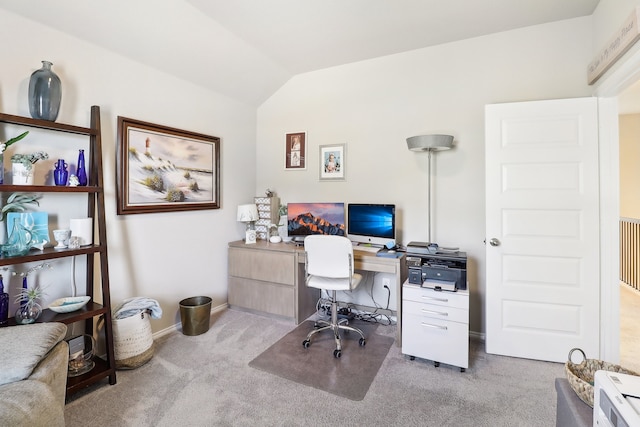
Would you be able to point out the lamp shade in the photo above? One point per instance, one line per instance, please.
(247, 213)
(430, 142)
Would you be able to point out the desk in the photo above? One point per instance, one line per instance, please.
(269, 278)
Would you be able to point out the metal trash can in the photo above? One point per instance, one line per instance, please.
(195, 314)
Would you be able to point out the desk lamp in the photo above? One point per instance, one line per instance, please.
(248, 214)
(429, 143)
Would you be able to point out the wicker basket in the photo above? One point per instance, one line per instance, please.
(133, 341)
(580, 375)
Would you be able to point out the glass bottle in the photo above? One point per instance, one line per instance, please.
(45, 93)
(82, 170)
(60, 174)
(4, 304)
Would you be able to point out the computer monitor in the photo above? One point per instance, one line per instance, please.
(304, 219)
(371, 223)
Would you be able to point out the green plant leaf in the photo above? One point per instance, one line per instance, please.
(16, 139)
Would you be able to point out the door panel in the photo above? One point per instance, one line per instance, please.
(542, 205)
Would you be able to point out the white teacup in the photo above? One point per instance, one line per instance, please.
(62, 237)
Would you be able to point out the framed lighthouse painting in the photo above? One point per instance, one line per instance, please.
(163, 169)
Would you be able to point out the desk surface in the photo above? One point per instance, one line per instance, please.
(364, 260)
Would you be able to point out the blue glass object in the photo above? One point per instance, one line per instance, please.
(45, 93)
(60, 174)
(4, 304)
(19, 242)
(82, 170)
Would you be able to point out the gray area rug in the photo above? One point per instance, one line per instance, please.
(349, 376)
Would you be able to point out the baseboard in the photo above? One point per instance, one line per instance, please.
(178, 327)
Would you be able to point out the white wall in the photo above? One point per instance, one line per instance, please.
(373, 106)
(166, 256)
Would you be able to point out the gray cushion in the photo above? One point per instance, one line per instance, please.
(24, 346)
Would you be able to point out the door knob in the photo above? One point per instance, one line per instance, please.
(494, 242)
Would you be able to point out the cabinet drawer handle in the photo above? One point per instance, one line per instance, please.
(429, 325)
(435, 299)
(441, 313)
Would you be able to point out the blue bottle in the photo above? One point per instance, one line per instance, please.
(82, 170)
(60, 174)
(45, 93)
(4, 304)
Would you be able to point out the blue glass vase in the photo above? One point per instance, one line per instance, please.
(60, 174)
(45, 93)
(82, 170)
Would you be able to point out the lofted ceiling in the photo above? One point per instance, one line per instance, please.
(247, 49)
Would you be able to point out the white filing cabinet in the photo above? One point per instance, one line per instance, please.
(435, 325)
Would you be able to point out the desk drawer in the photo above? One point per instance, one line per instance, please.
(437, 340)
(262, 296)
(433, 311)
(429, 296)
(263, 265)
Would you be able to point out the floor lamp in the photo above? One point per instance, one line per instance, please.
(429, 143)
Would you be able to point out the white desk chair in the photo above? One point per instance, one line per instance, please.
(329, 266)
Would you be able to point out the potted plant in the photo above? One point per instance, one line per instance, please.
(22, 166)
(3, 147)
(29, 299)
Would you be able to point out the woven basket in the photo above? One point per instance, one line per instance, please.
(133, 341)
(580, 375)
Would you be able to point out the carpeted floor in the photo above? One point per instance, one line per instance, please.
(349, 376)
(206, 380)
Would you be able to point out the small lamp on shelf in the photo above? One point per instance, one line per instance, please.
(248, 214)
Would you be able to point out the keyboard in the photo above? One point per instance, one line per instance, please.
(369, 249)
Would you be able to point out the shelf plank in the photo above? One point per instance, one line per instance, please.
(99, 372)
(9, 188)
(51, 253)
(45, 124)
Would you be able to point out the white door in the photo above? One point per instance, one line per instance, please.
(542, 224)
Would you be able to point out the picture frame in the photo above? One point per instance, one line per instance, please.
(164, 169)
(295, 151)
(332, 162)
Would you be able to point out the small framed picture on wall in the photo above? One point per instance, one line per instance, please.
(295, 151)
(332, 162)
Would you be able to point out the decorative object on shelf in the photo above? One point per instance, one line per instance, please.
(37, 223)
(45, 93)
(3, 147)
(19, 242)
(282, 224)
(81, 170)
(62, 237)
(81, 349)
(4, 304)
(248, 214)
(60, 174)
(154, 175)
(267, 213)
(22, 166)
(73, 181)
(29, 299)
(69, 304)
(82, 228)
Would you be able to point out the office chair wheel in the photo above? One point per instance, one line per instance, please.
(462, 369)
(436, 364)
(337, 353)
(306, 343)
(362, 342)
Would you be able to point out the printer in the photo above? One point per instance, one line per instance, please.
(437, 268)
(616, 400)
